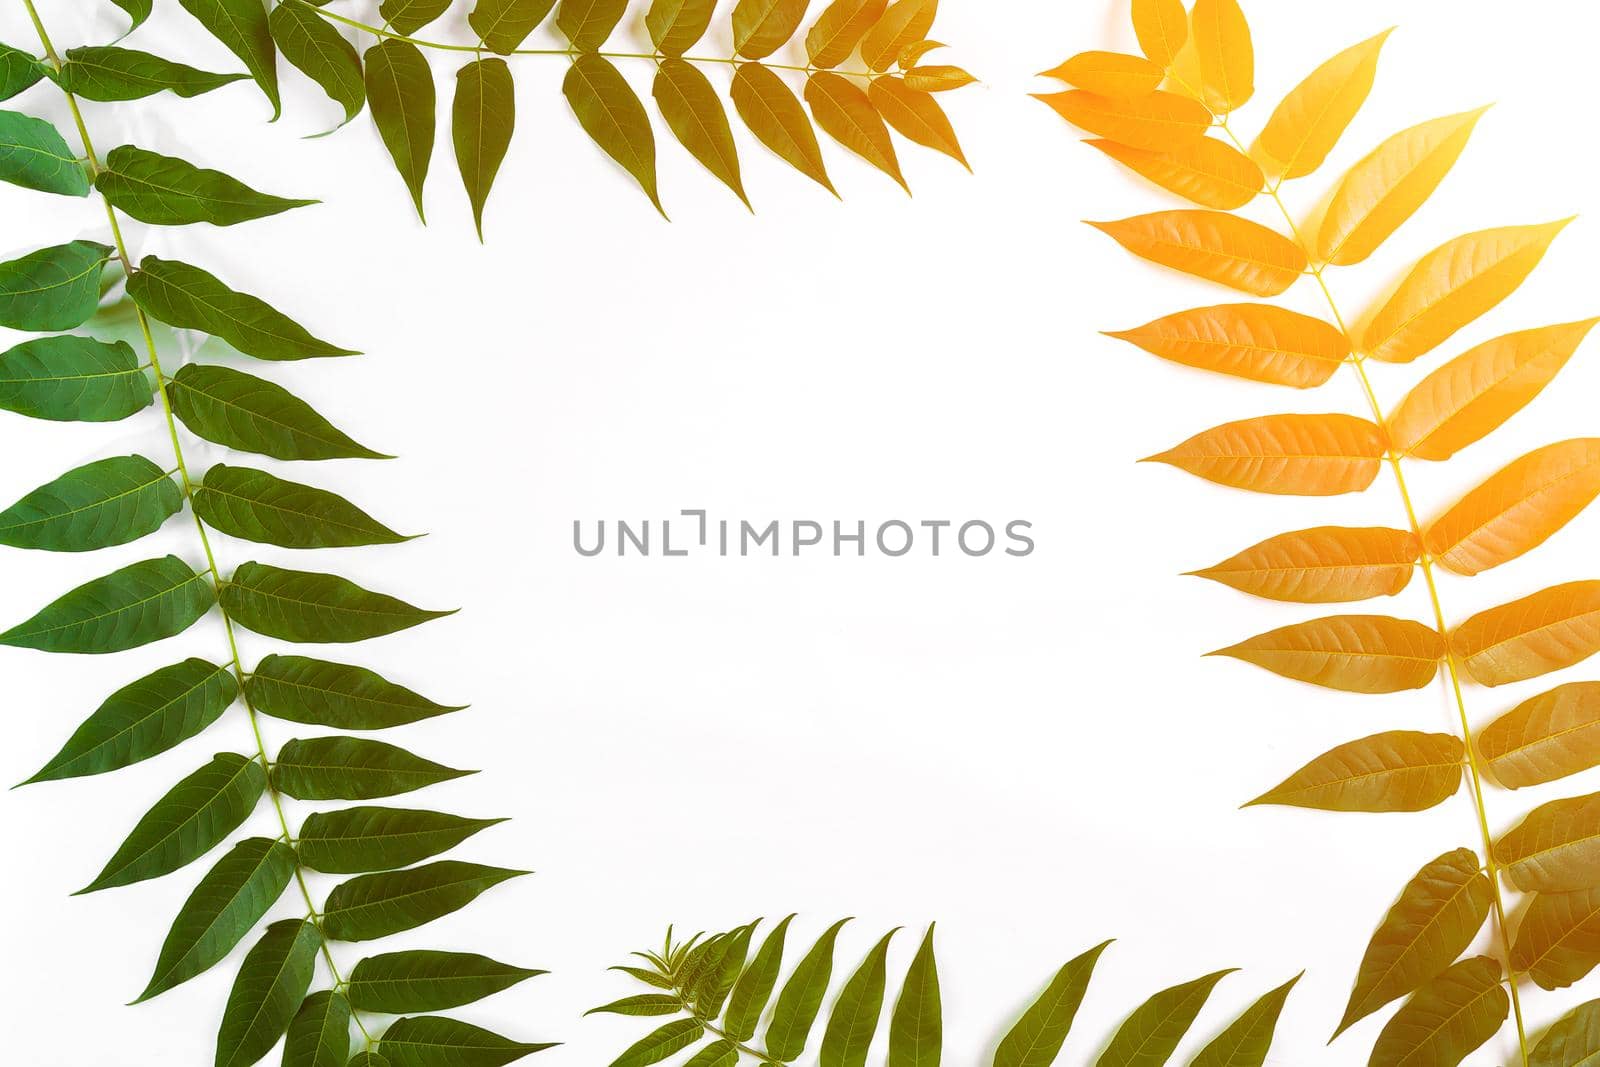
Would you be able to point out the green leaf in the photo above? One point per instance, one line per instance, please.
(1448, 1018)
(353, 768)
(226, 905)
(305, 606)
(505, 24)
(311, 44)
(1572, 1041)
(335, 695)
(677, 25)
(611, 114)
(1151, 1034)
(587, 23)
(643, 1006)
(242, 411)
(855, 1015)
(356, 840)
(846, 114)
(261, 507)
(694, 113)
(34, 155)
(649, 978)
(165, 191)
(319, 1034)
(100, 504)
(761, 27)
(797, 1005)
(143, 719)
(754, 988)
(483, 118)
(73, 379)
(1037, 1038)
(54, 288)
(662, 1044)
(368, 1059)
(409, 16)
(711, 989)
(272, 983)
(140, 603)
(107, 73)
(19, 70)
(377, 905)
(722, 1053)
(138, 11)
(401, 94)
(434, 1041)
(1246, 1042)
(189, 298)
(772, 113)
(194, 817)
(840, 28)
(423, 980)
(241, 25)
(916, 1033)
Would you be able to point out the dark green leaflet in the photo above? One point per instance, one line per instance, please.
(165, 191)
(73, 379)
(1037, 1038)
(107, 73)
(192, 819)
(18, 71)
(677, 25)
(916, 1033)
(401, 94)
(226, 905)
(353, 768)
(144, 719)
(271, 984)
(1150, 1035)
(368, 1059)
(694, 113)
(796, 1009)
(356, 840)
(138, 11)
(1248, 1039)
(854, 1020)
(189, 298)
(483, 117)
(661, 1044)
(134, 606)
(1573, 1041)
(754, 988)
(761, 27)
(319, 1033)
(100, 504)
(242, 411)
(587, 23)
(34, 155)
(241, 25)
(306, 606)
(770, 109)
(321, 53)
(336, 695)
(645, 1005)
(721, 1053)
(505, 24)
(54, 288)
(377, 905)
(409, 16)
(423, 980)
(611, 114)
(433, 1041)
(261, 507)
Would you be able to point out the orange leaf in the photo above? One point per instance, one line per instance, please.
(1227, 58)
(1397, 771)
(1556, 849)
(913, 53)
(840, 28)
(1519, 508)
(1110, 74)
(1471, 396)
(1162, 26)
(1311, 119)
(1354, 653)
(1261, 342)
(1453, 285)
(1558, 939)
(1290, 455)
(917, 115)
(1548, 737)
(1209, 172)
(1155, 122)
(1214, 245)
(1326, 565)
(1388, 186)
(904, 24)
(1552, 629)
(937, 79)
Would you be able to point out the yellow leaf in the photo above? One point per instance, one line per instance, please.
(1552, 629)
(1162, 26)
(1289, 455)
(1453, 285)
(917, 115)
(1474, 394)
(1519, 508)
(914, 52)
(1397, 771)
(1214, 245)
(1388, 186)
(1227, 58)
(1156, 122)
(840, 28)
(937, 79)
(1353, 653)
(1447, 1019)
(845, 114)
(904, 24)
(1556, 849)
(766, 104)
(1210, 172)
(1311, 119)
(1110, 74)
(1548, 737)
(1261, 342)
(1325, 565)
(1558, 939)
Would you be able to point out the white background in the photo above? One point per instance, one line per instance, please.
(1031, 752)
